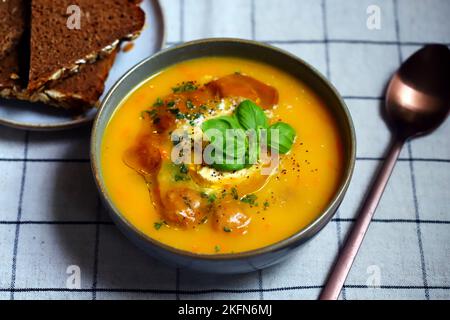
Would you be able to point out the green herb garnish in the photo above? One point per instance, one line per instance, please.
(221, 124)
(237, 151)
(190, 105)
(226, 229)
(158, 225)
(285, 139)
(183, 168)
(234, 193)
(174, 111)
(216, 248)
(180, 116)
(229, 141)
(185, 87)
(212, 197)
(181, 177)
(151, 113)
(250, 199)
(251, 116)
(182, 174)
(158, 103)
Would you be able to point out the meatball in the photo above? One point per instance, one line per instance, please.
(144, 157)
(165, 122)
(229, 217)
(237, 85)
(182, 207)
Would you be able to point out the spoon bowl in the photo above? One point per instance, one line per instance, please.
(418, 96)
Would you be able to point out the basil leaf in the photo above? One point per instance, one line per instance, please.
(232, 143)
(284, 140)
(236, 144)
(228, 166)
(253, 147)
(221, 123)
(251, 116)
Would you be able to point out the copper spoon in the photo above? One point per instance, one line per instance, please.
(417, 102)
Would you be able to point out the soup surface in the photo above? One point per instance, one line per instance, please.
(212, 209)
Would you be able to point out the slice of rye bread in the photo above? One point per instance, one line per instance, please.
(81, 90)
(78, 91)
(57, 51)
(12, 24)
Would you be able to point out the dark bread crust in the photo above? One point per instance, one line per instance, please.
(12, 24)
(57, 50)
(83, 89)
(77, 92)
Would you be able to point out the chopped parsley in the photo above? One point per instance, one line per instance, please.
(182, 174)
(190, 105)
(234, 193)
(180, 116)
(181, 177)
(250, 199)
(158, 103)
(158, 225)
(195, 116)
(183, 168)
(210, 197)
(174, 111)
(151, 113)
(226, 229)
(185, 87)
(216, 248)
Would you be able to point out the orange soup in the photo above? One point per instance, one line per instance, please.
(209, 207)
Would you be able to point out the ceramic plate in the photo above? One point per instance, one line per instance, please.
(37, 116)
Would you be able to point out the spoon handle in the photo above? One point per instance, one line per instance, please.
(348, 253)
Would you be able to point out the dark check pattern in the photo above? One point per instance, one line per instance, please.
(38, 242)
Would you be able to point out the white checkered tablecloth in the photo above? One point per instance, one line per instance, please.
(50, 217)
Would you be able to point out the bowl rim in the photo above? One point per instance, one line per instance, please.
(296, 238)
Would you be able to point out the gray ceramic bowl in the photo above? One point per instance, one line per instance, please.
(224, 263)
